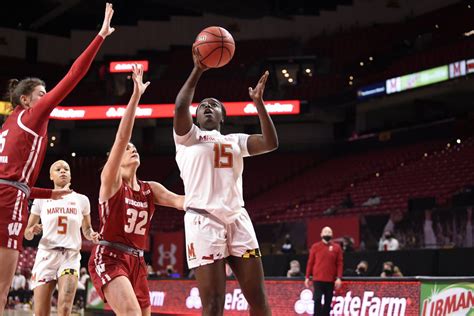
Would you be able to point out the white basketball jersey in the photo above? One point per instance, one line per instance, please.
(211, 166)
(62, 220)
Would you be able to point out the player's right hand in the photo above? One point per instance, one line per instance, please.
(197, 62)
(106, 29)
(307, 282)
(36, 229)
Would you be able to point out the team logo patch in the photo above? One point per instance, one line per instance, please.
(252, 253)
(191, 252)
(70, 272)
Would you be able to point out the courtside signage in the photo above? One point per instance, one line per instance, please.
(110, 112)
(286, 297)
(126, 65)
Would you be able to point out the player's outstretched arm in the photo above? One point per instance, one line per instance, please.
(110, 176)
(40, 112)
(268, 140)
(165, 197)
(183, 120)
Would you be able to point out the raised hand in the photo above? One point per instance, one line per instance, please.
(197, 63)
(59, 193)
(256, 94)
(137, 77)
(106, 29)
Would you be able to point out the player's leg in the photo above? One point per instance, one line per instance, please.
(13, 217)
(246, 263)
(249, 273)
(67, 284)
(42, 298)
(121, 297)
(206, 245)
(9, 260)
(211, 284)
(146, 311)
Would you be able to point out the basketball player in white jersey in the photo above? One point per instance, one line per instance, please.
(58, 258)
(217, 226)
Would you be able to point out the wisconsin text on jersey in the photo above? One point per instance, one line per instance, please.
(136, 203)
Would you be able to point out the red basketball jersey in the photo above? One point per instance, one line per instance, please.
(125, 217)
(21, 148)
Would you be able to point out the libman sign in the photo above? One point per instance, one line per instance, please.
(447, 298)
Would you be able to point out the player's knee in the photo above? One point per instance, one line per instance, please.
(214, 304)
(257, 298)
(130, 310)
(64, 309)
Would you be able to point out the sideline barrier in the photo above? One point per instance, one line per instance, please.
(424, 296)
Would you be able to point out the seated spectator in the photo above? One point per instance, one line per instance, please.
(150, 271)
(287, 246)
(295, 270)
(388, 242)
(83, 277)
(373, 200)
(347, 202)
(359, 271)
(171, 272)
(390, 270)
(347, 244)
(18, 286)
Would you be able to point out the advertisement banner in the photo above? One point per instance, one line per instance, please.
(470, 65)
(288, 297)
(168, 249)
(457, 69)
(417, 79)
(126, 65)
(447, 298)
(371, 90)
(110, 112)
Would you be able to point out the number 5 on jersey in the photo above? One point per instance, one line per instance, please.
(223, 157)
(62, 225)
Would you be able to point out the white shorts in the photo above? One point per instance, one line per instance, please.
(209, 239)
(51, 264)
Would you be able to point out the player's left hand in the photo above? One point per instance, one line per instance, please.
(59, 193)
(95, 237)
(256, 94)
(137, 77)
(337, 284)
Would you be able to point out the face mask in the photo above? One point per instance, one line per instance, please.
(361, 269)
(388, 272)
(388, 236)
(327, 238)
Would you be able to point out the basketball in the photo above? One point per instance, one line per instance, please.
(214, 46)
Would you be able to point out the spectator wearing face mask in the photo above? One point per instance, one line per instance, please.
(388, 242)
(325, 264)
(390, 270)
(287, 246)
(295, 270)
(359, 271)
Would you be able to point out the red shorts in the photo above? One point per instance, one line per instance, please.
(13, 217)
(105, 264)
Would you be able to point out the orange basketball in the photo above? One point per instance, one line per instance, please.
(215, 46)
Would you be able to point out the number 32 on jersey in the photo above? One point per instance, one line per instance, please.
(223, 157)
